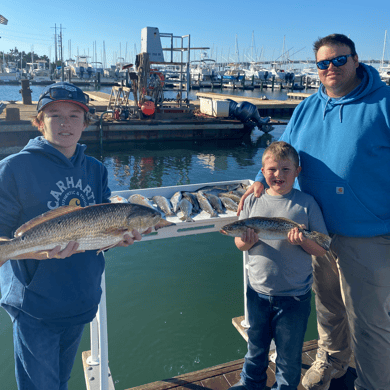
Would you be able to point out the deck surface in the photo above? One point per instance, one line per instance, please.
(223, 376)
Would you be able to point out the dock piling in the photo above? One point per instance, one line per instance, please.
(26, 92)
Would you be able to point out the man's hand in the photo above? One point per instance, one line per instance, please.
(256, 188)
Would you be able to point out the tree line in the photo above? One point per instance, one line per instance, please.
(22, 58)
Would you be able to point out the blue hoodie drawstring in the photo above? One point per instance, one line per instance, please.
(326, 105)
(341, 117)
(340, 113)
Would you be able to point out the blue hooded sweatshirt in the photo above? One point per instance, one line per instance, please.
(38, 179)
(344, 148)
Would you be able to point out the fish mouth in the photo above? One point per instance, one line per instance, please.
(223, 231)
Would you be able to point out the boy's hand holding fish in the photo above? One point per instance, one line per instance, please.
(247, 240)
(296, 237)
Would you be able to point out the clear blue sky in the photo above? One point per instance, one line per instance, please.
(217, 24)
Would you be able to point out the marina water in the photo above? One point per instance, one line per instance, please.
(170, 302)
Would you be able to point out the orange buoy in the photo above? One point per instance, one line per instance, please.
(148, 107)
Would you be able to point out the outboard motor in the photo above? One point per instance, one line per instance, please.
(247, 112)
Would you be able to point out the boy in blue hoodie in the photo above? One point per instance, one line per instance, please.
(50, 300)
(342, 135)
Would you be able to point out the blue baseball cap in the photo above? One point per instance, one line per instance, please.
(63, 92)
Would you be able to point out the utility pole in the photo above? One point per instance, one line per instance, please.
(55, 44)
(61, 54)
(58, 42)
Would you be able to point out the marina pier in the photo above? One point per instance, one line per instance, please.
(171, 124)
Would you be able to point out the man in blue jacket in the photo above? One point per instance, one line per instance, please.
(342, 135)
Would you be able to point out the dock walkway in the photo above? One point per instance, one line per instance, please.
(223, 376)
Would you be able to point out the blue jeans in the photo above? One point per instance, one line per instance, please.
(283, 319)
(44, 355)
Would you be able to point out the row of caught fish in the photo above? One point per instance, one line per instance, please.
(102, 226)
(213, 200)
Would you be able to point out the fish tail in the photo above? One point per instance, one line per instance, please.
(321, 239)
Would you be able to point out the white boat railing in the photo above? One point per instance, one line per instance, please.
(98, 376)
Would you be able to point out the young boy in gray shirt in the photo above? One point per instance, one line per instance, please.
(279, 272)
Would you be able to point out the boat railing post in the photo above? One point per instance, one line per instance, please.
(103, 339)
(245, 257)
(93, 360)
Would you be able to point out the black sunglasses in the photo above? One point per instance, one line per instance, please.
(337, 61)
(68, 93)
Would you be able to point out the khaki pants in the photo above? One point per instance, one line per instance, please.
(352, 286)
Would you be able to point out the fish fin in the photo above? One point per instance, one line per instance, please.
(114, 232)
(63, 210)
(106, 248)
(163, 223)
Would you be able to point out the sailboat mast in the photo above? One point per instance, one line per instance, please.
(384, 49)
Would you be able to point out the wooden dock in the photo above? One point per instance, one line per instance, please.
(168, 125)
(16, 129)
(266, 107)
(223, 376)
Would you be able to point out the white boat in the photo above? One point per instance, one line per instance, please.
(39, 72)
(311, 77)
(233, 72)
(9, 72)
(384, 73)
(257, 72)
(116, 71)
(80, 67)
(202, 72)
(280, 74)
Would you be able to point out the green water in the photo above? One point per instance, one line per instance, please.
(170, 302)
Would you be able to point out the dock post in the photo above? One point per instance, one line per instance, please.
(26, 92)
(273, 83)
(12, 114)
(69, 76)
(245, 259)
(98, 79)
